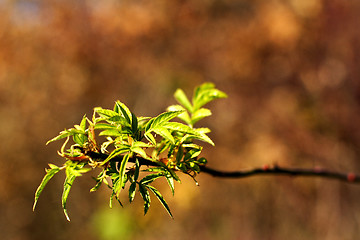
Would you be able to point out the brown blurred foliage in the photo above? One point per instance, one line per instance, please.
(290, 68)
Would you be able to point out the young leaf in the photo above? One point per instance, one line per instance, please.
(160, 119)
(183, 116)
(132, 191)
(134, 126)
(180, 96)
(204, 94)
(151, 177)
(170, 181)
(105, 113)
(179, 127)
(49, 174)
(113, 195)
(122, 171)
(83, 123)
(110, 132)
(146, 197)
(104, 126)
(99, 180)
(139, 151)
(116, 152)
(80, 138)
(124, 110)
(63, 134)
(137, 170)
(164, 133)
(150, 138)
(200, 114)
(69, 180)
(161, 199)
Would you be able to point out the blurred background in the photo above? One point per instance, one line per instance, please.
(290, 68)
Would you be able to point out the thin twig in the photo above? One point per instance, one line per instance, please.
(300, 172)
(265, 170)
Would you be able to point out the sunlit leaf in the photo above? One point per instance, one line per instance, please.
(134, 125)
(200, 114)
(160, 119)
(170, 181)
(181, 97)
(151, 177)
(110, 132)
(83, 123)
(183, 116)
(99, 180)
(146, 197)
(63, 134)
(150, 137)
(139, 151)
(161, 199)
(69, 180)
(105, 113)
(80, 138)
(137, 170)
(104, 126)
(179, 127)
(49, 174)
(124, 110)
(122, 170)
(132, 191)
(164, 133)
(204, 94)
(116, 152)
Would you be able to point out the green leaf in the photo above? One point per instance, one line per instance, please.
(161, 199)
(180, 96)
(164, 133)
(104, 126)
(134, 126)
(122, 149)
(151, 177)
(170, 181)
(139, 151)
(194, 133)
(183, 116)
(203, 137)
(204, 94)
(49, 174)
(80, 138)
(193, 153)
(150, 137)
(69, 180)
(137, 170)
(83, 123)
(200, 136)
(180, 154)
(105, 113)
(161, 119)
(124, 110)
(63, 134)
(110, 132)
(146, 197)
(113, 195)
(122, 171)
(132, 191)
(200, 114)
(99, 180)
(141, 144)
(179, 127)
(201, 160)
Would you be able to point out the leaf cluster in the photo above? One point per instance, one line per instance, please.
(135, 151)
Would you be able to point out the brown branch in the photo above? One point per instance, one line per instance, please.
(303, 172)
(265, 170)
